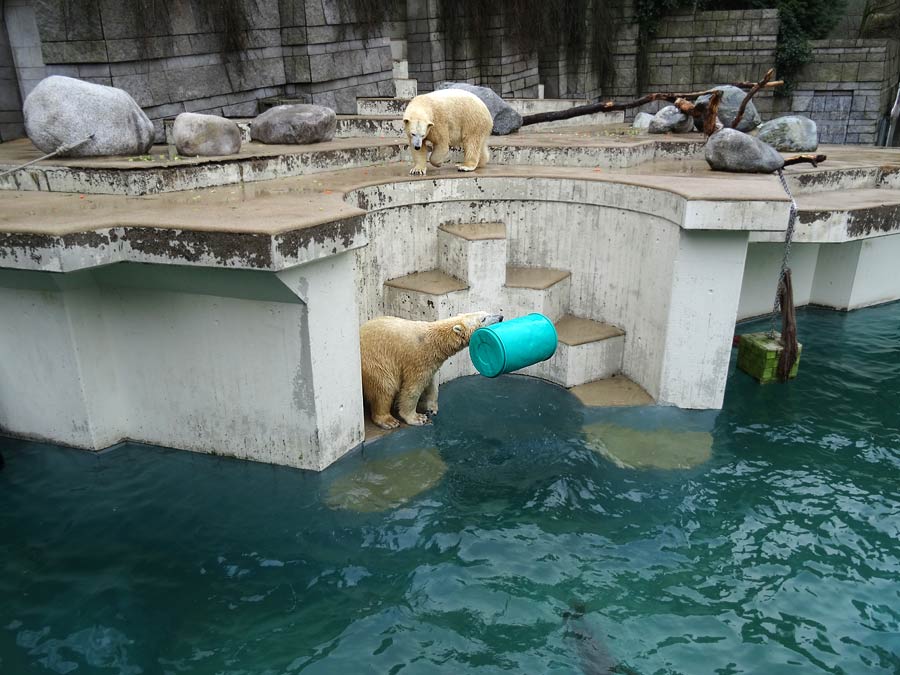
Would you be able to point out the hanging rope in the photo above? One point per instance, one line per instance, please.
(60, 150)
(784, 296)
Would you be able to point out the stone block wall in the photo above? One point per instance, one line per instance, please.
(179, 57)
(693, 51)
(848, 87)
(10, 103)
(500, 64)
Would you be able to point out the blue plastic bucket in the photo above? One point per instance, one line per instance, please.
(510, 345)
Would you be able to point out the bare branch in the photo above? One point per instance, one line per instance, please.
(756, 87)
(805, 159)
(608, 106)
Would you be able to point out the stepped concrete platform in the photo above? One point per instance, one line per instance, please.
(225, 318)
(614, 391)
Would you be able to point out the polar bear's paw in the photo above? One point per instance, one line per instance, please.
(463, 167)
(417, 171)
(416, 419)
(386, 422)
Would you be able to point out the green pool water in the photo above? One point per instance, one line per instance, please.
(504, 538)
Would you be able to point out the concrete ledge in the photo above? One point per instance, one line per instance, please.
(535, 278)
(476, 231)
(573, 330)
(432, 282)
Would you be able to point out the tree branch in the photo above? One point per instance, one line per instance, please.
(608, 106)
(805, 159)
(755, 88)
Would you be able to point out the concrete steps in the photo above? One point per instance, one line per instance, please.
(587, 350)
(472, 275)
(542, 290)
(348, 126)
(424, 296)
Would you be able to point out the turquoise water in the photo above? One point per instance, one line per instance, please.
(530, 552)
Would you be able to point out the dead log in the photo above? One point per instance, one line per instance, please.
(707, 112)
(755, 88)
(609, 106)
(805, 159)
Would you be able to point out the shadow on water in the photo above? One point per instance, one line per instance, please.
(762, 538)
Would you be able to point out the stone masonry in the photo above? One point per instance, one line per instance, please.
(179, 58)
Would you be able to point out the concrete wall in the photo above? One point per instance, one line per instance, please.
(845, 276)
(254, 365)
(632, 264)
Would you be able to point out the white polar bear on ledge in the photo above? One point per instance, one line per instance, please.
(444, 118)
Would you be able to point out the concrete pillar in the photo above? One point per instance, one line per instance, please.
(857, 274)
(255, 365)
(706, 289)
(327, 287)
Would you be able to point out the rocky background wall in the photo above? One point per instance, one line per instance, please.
(10, 104)
(216, 56)
(498, 63)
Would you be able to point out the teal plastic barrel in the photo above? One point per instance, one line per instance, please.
(510, 345)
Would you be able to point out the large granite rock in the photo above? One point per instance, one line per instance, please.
(733, 150)
(670, 120)
(642, 121)
(792, 133)
(62, 110)
(294, 124)
(506, 120)
(205, 135)
(732, 97)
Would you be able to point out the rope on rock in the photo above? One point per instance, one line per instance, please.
(784, 296)
(60, 150)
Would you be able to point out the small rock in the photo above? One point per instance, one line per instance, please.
(506, 119)
(733, 150)
(792, 133)
(294, 124)
(731, 100)
(62, 110)
(205, 135)
(642, 120)
(670, 120)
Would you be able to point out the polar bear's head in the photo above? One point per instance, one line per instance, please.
(417, 129)
(466, 324)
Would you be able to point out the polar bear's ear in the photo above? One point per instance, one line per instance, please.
(458, 329)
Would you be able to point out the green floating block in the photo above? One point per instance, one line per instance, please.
(758, 355)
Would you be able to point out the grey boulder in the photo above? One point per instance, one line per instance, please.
(294, 124)
(735, 151)
(731, 100)
(792, 133)
(642, 120)
(670, 120)
(205, 135)
(63, 110)
(506, 119)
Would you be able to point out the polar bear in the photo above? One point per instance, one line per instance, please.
(400, 360)
(444, 118)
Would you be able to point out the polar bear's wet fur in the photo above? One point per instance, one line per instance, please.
(400, 360)
(444, 118)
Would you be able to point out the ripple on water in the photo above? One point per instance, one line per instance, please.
(496, 540)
